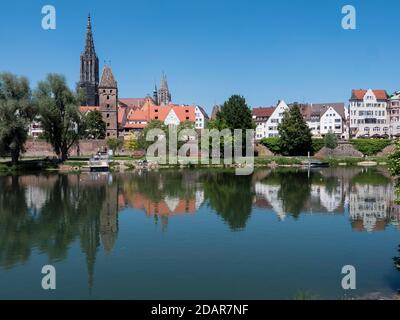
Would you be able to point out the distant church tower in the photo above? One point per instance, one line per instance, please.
(164, 96)
(155, 95)
(89, 75)
(108, 96)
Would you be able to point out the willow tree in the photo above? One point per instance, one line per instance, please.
(59, 113)
(16, 113)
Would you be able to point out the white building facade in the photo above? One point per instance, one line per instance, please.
(271, 126)
(368, 116)
(201, 118)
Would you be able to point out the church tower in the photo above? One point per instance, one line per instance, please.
(108, 97)
(155, 95)
(89, 74)
(164, 96)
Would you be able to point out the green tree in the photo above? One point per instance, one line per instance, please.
(186, 125)
(330, 140)
(154, 124)
(95, 126)
(16, 113)
(295, 133)
(59, 114)
(235, 114)
(132, 142)
(114, 144)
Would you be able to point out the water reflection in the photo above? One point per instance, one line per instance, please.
(51, 212)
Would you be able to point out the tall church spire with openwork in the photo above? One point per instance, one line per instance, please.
(164, 96)
(89, 71)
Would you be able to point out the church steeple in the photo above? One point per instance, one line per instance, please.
(89, 48)
(164, 96)
(89, 73)
(155, 95)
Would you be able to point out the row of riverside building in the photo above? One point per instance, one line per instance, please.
(370, 113)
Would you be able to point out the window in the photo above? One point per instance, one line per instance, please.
(156, 118)
(108, 115)
(156, 110)
(108, 124)
(187, 118)
(108, 97)
(108, 105)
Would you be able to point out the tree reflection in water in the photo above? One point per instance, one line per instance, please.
(51, 212)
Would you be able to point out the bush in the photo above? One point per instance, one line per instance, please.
(273, 144)
(330, 140)
(317, 144)
(370, 146)
(394, 161)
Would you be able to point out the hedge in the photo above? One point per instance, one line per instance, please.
(370, 146)
(274, 144)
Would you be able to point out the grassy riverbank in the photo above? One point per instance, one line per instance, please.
(128, 163)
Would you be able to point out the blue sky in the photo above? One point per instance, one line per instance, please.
(265, 50)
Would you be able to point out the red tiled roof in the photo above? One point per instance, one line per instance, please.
(85, 109)
(137, 115)
(151, 112)
(263, 111)
(132, 102)
(121, 115)
(359, 94)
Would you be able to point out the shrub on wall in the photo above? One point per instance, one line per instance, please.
(273, 144)
(317, 144)
(370, 146)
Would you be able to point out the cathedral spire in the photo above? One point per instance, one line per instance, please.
(89, 68)
(89, 47)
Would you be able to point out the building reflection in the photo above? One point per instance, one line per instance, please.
(51, 212)
(366, 194)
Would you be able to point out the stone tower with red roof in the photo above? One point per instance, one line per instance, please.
(108, 97)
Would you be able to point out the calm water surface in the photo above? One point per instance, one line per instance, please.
(199, 234)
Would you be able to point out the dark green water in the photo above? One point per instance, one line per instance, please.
(199, 234)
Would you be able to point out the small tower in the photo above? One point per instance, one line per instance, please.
(108, 96)
(164, 96)
(89, 69)
(155, 95)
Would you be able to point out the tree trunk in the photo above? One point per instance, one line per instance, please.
(64, 154)
(14, 157)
